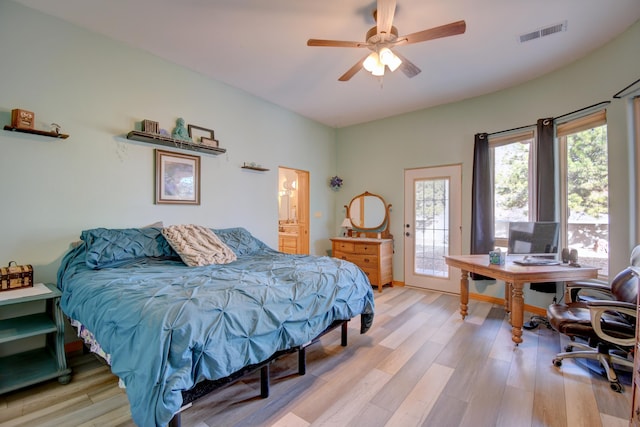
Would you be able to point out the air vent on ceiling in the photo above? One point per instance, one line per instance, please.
(542, 32)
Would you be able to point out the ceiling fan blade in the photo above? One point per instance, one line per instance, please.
(408, 68)
(384, 15)
(352, 71)
(334, 43)
(452, 29)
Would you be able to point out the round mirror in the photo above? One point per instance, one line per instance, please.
(368, 211)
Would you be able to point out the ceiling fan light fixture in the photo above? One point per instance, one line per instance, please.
(371, 62)
(378, 70)
(388, 58)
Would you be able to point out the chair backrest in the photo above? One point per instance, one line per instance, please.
(635, 256)
(624, 286)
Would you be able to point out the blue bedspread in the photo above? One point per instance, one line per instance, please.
(168, 326)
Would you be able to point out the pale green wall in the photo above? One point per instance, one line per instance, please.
(97, 89)
(373, 156)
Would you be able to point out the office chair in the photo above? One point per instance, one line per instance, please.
(607, 325)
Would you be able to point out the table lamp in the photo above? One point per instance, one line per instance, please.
(346, 224)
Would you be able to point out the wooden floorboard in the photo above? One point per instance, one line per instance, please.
(419, 365)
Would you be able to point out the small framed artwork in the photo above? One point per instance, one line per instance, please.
(201, 135)
(177, 178)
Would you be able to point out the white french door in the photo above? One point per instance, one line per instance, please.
(432, 226)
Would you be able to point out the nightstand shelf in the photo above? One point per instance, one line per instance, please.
(34, 366)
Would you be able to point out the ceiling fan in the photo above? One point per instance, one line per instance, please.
(384, 36)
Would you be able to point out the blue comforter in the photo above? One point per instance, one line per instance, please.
(168, 326)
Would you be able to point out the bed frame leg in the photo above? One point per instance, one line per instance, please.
(344, 334)
(302, 360)
(175, 421)
(264, 381)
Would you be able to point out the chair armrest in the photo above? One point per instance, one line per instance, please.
(621, 306)
(590, 284)
(596, 289)
(598, 308)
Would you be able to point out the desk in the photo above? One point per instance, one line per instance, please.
(514, 276)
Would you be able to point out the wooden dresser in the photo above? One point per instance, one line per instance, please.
(373, 256)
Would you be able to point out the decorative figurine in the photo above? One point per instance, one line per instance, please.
(180, 132)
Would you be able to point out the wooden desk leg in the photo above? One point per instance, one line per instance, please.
(464, 294)
(508, 290)
(517, 312)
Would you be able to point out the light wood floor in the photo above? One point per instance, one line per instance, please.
(419, 365)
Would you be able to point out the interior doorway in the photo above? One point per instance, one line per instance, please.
(293, 211)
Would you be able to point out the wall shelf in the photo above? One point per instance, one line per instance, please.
(255, 168)
(175, 143)
(37, 132)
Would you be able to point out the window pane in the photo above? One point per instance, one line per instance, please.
(431, 226)
(511, 185)
(588, 197)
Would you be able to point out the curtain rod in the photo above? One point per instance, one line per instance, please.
(509, 130)
(555, 118)
(619, 94)
(582, 109)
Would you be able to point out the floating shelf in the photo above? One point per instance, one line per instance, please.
(254, 168)
(170, 142)
(37, 132)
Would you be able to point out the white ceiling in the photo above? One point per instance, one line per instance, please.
(260, 46)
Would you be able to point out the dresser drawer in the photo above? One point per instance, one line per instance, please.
(348, 247)
(363, 248)
(363, 261)
(372, 274)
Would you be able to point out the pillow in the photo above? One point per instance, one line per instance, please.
(197, 245)
(108, 247)
(240, 241)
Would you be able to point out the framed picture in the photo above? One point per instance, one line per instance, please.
(177, 178)
(200, 135)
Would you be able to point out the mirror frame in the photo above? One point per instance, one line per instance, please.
(381, 230)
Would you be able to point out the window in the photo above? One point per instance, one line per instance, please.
(512, 159)
(583, 185)
(585, 188)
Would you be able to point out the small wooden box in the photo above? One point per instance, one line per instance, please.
(15, 276)
(22, 119)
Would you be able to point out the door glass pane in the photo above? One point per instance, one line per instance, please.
(431, 226)
(588, 197)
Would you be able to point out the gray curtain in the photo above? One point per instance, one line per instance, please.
(482, 226)
(545, 185)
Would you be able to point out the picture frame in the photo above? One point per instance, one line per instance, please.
(201, 135)
(177, 178)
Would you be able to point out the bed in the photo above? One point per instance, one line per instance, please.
(168, 327)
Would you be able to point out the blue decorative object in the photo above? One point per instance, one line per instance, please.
(180, 132)
(335, 182)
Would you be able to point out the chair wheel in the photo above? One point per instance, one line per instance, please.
(568, 348)
(616, 387)
(557, 362)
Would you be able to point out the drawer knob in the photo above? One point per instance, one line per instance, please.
(366, 260)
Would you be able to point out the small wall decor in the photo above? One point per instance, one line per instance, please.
(180, 132)
(150, 126)
(22, 119)
(202, 135)
(335, 182)
(177, 178)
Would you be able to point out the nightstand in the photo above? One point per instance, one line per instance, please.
(33, 366)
